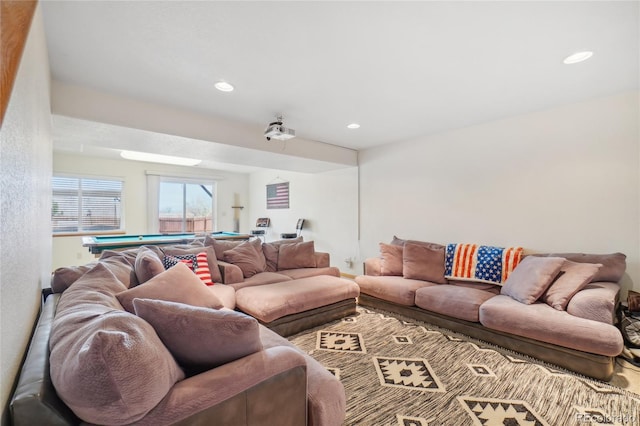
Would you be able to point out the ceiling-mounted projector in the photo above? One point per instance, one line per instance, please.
(275, 130)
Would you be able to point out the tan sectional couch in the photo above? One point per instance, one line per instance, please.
(578, 334)
(123, 341)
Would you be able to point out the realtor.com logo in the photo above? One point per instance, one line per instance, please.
(598, 418)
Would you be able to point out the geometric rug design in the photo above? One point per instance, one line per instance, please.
(413, 374)
(488, 411)
(443, 378)
(341, 342)
(411, 421)
(481, 370)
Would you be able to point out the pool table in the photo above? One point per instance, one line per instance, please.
(97, 244)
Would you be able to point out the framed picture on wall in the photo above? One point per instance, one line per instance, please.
(278, 195)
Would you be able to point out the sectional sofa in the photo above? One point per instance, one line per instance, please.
(559, 308)
(124, 340)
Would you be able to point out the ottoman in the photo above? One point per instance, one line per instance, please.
(292, 306)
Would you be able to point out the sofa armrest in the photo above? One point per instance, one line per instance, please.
(372, 266)
(323, 260)
(231, 273)
(597, 301)
(267, 387)
(35, 401)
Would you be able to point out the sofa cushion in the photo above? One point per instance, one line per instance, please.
(393, 289)
(423, 262)
(540, 321)
(107, 365)
(226, 294)
(454, 301)
(200, 338)
(297, 255)
(270, 302)
(177, 284)
(248, 257)
(211, 260)
(596, 301)
(613, 265)
(261, 279)
(573, 277)
(391, 259)
(271, 250)
(401, 242)
(310, 272)
(148, 264)
(531, 278)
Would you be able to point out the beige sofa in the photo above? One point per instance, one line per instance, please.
(578, 334)
(110, 351)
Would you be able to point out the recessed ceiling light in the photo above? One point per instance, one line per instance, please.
(223, 86)
(157, 158)
(353, 126)
(578, 57)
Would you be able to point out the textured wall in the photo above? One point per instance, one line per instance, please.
(25, 195)
(564, 179)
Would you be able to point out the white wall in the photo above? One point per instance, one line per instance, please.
(25, 200)
(565, 179)
(328, 203)
(69, 251)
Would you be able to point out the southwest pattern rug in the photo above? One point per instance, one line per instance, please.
(404, 372)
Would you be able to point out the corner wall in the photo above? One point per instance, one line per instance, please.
(68, 251)
(327, 201)
(563, 180)
(25, 200)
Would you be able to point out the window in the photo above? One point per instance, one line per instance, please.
(81, 205)
(185, 206)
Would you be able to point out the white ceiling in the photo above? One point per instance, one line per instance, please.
(400, 69)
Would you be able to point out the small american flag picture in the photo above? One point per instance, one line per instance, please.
(278, 196)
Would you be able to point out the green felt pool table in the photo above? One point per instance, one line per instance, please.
(97, 244)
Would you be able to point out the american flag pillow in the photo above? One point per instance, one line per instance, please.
(202, 268)
(188, 259)
(198, 263)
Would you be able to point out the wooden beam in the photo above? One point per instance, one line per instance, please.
(15, 21)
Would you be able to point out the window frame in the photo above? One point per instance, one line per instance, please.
(78, 192)
(193, 180)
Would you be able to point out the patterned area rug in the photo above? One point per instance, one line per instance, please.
(409, 373)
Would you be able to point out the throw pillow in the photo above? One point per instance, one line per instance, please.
(298, 255)
(63, 277)
(212, 261)
(188, 259)
(531, 278)
(177, 284)
(573, 278)
(220, 246)
(422, 262)
(148, 264)
(391, 255)
(111, 369)
(248, 257)
(270, 251)
(201, 338)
